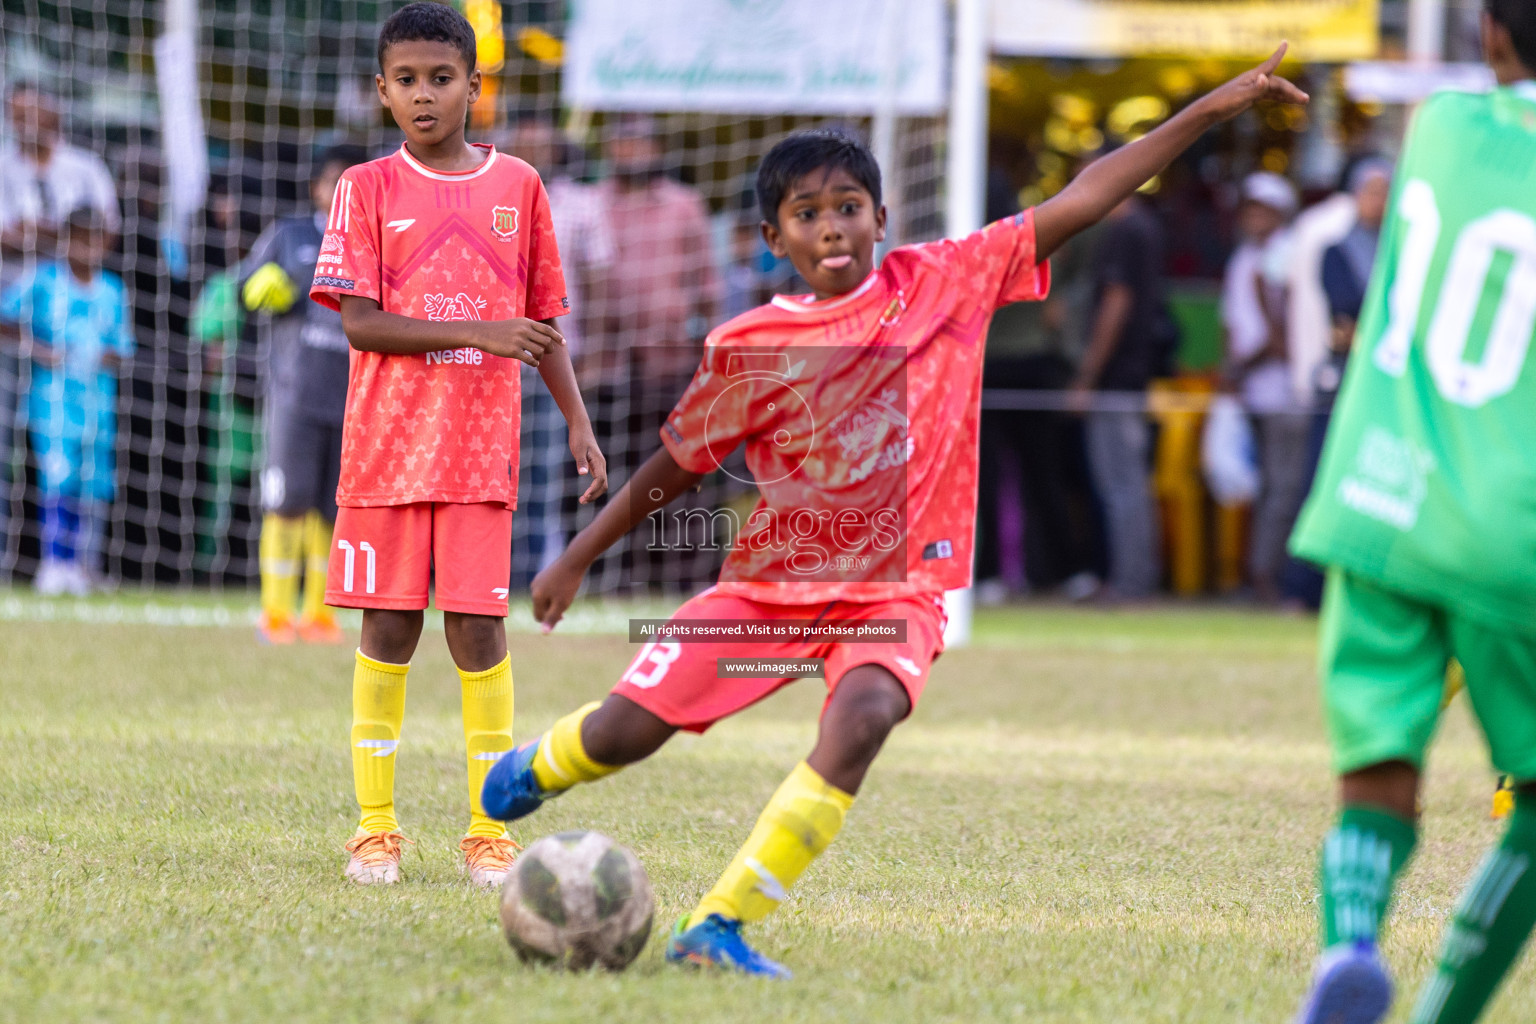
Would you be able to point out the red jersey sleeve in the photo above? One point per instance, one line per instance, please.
(720, 409)
(349, 261)
(546, 279)
(998, 262)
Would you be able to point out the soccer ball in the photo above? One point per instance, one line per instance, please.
(577, 899)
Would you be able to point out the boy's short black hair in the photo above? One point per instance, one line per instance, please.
(805, 152)
(1519, 17)
(433, 23)
(347, 154)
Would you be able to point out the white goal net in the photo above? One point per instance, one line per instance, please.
(171, 472)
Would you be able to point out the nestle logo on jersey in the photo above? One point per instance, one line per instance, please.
(457, 356)
(453, 307)
(873, 436)
(332, 242)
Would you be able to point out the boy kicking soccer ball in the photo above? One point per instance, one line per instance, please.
(441, 259)
(1424, 512)
(858, 406)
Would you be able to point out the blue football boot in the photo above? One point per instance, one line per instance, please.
(1350, 986)
(511, 790)
(717, 942)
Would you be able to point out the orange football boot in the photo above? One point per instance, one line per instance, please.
(321, 628)
(275, 629)
(488, 860)
(375, 857)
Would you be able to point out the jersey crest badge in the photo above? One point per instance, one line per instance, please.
(504, 222)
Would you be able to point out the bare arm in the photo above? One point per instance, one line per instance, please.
(27, 347)
(1274, 342)
(1342, 338)
(1274, 316)
(370, 329)
(1108, 324)
(655, 484)
(30, 238)
(558, 375)
(1108, 181)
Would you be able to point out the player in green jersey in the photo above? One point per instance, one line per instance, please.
(1424, 513)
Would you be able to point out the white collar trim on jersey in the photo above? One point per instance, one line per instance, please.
(796, 306)
(427, 172)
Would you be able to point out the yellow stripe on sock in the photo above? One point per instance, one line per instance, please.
(378, 709)
(280, 553)
(562, 761)
(488, 709)
(317, 556)
(800, 821)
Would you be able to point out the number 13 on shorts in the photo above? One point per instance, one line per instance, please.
(651, 664)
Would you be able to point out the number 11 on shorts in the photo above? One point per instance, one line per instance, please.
(349, 570)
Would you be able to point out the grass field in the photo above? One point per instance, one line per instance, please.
(1092, 817)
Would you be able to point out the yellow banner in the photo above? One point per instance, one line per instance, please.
(1319, 30)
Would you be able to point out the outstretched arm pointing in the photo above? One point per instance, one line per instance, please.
(1108, 181)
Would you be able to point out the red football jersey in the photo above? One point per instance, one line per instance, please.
(860, 416)
(471, 245)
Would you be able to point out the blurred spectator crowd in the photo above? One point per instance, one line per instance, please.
(1072, 448)
(1076, 493)
(650, 271)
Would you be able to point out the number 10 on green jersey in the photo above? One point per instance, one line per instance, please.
(1428, 478)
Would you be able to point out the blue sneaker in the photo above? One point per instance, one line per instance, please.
(511, 790)
(717, 942)
(1350, 986)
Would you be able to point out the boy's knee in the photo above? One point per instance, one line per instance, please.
(869, 703)
(474, 628)
(390, 636)
(477, 642)
(1393, 785)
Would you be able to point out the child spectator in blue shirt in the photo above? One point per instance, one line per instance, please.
(72, 319)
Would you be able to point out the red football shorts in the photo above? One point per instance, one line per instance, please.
(387, 556)
(678, 682)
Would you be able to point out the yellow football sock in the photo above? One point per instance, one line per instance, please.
(800, 821)
(562, 761)
(281, 556)
(487, 735)
(1503, 798)
(317, 557)
(378, 708)
(1455, 682)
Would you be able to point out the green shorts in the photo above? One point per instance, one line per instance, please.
(1382, 658)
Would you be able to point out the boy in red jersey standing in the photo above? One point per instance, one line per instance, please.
(442, 260)
(859, 408)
